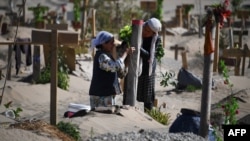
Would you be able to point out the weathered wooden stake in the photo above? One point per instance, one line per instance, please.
(184, 60)
(131, 80)
(216, 48)
(53, 80)
(84, 19)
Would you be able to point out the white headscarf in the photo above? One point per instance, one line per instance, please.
(155, 25)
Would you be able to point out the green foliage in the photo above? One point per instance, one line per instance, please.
(223, 67)
(62, 74)
(38, 12)
(77, 10)
(216, 134)
(191, 88)
(159, 12)
(230, 107)
(168, 79)
(159, 53)
(16, 111)
(70, 129)
(126, 33)
(155, 113)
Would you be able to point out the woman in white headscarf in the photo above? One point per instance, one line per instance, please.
(104, 83)
(146, 81)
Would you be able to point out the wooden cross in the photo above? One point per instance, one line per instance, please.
(176, 48)
(238, 53)
(54, 39)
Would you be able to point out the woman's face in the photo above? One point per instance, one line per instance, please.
(147, 32)
(109, 45)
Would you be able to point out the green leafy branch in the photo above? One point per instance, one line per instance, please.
(231, 106)
(16, 111)
(159, 52)
(168, 79)
(125, 34)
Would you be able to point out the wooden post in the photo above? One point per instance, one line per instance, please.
(131, 80)
(245, 50)
(53, 80)
(84, 18)
(54, 39)
(179, 16)
(184, 60)
(93, 23)
(216, 48)
(36, 62)
(93, 30)
(206, 81)
(163, 35)
(176, 48)
(10, 49)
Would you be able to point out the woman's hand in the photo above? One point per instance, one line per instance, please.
(130, 50)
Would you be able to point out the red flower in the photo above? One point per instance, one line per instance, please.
(237, 112)
(221, 13)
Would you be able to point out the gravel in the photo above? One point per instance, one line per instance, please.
(148, 135)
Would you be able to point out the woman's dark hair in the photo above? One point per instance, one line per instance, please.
(99, 46)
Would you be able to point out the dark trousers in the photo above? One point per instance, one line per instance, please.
(25, 49)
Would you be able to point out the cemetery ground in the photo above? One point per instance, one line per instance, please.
(35, 99)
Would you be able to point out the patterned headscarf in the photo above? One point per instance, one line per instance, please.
(102, 37)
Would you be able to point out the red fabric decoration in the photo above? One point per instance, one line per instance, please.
(208, 46)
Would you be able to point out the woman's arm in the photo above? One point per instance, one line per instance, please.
(144, 53)
(108, 64)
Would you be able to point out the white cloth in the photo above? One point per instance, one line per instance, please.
(152, 54)
(155, 25)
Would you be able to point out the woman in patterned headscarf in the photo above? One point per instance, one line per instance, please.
(146, 80)
(104, 84)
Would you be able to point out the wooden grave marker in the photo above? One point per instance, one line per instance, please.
(176, 48)
(54, 38)
(149, 6)
(237, 53)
